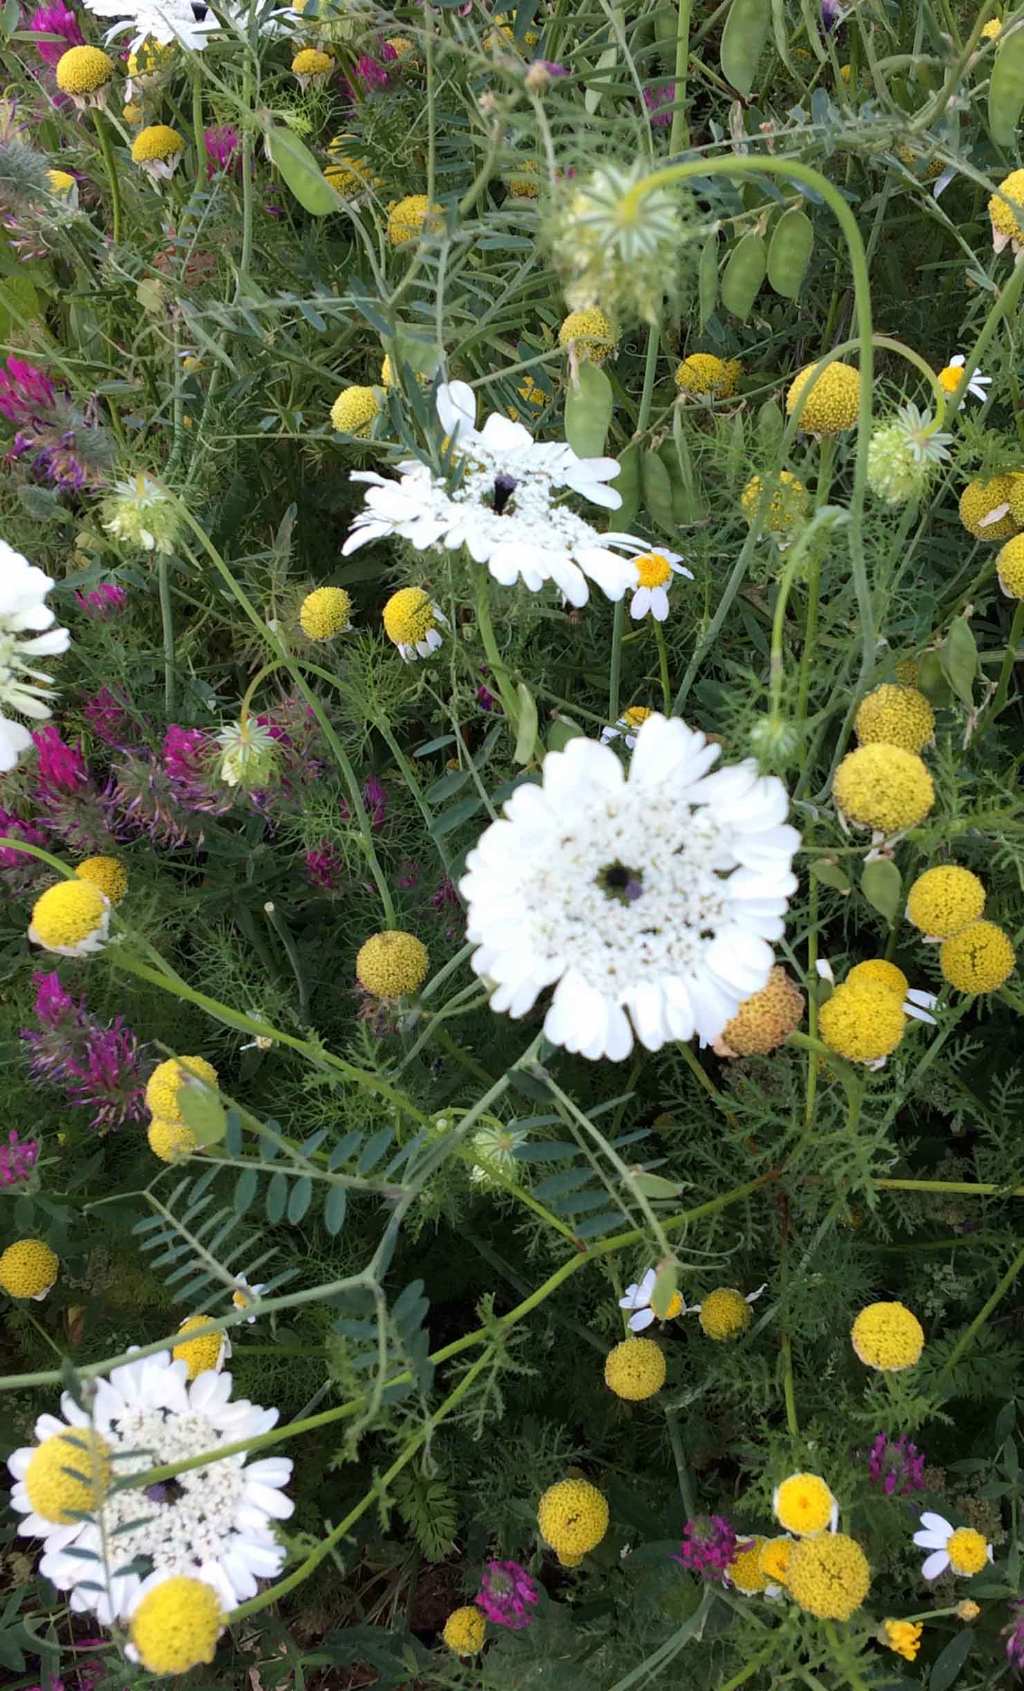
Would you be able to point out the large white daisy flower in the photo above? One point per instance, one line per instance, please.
(503, 507)
(23, 688)
(191, 25)
(214, 1522)
(648, 901)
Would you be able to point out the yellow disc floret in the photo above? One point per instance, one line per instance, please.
(944, 900)
(355, 411)
(978, 501)
(68, 916)
(176, 1625)
(829, 1576)
(992, 30)
(84, 70)
(573, 1518)
(774, 1558)
(107, 873)
(703, 375)
(464, 1630)
(724, 1314)
(652, 569)
(887, 1336)
(1007, 219)
(967, 1551)
(977, 959)
(1010, 567)
(171, 1141)
(409, 616)
(804, 1504)
(164, 1085)
(883, 787)
(862, 1023)
(765, 1021)
(409, 217)
(28, 1268)
(896, 716)
(325, 612)
(61, 181)
(904, 1637)
(158, 141)
(832, 401)
(392, 964)
(635, 1369)
(310, 63)
(745, 1571)
(590, 333)
(785, 503)
(200, 1356)
(878, 972)
(68, 1475)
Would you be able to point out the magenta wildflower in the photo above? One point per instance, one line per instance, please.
(14, 828)
(552, 67)
(375, 798)
(1015, 1637)
(106, 600)
(408, 874)
(98, 1066)
(445, 895)
(106, 716)
(53, 1003)
(896, 1465)
(26, 392)
(18, 1158)
(831, 15)
(323, 866)
(223, 143)
(60, 768)
(371, 74)
(659, 102)
(485, 698)
(55, 19)
(507, 1595)
(708, 1546)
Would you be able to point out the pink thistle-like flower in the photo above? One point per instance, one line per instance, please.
(708, 1546)
(18, 1157)
(223, 148)
(896, 1465)
(659, 102)
(323, 867)
(100, 603)
(507, 1595)
(16, 829)
(445, 895)
(98, 1066)
(55, 19)
(54, 1004)
(1015, 1637)
(60, 768)
(26, 393)
(371, 74)
(107, 717)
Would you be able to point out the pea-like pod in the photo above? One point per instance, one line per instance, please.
(588, 411)
(789, 252)
(744, 274)
(743, 40)
(707, 278)
(1006, 89)
(627, 486)
(657, 486)
(300, 171)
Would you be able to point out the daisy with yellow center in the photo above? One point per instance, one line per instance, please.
(951, 375)
(203, 1355)
(157, 150)
(84, 74)
(654, 572)
(961, 1549)
(828, 399)
(986, 505)
(355, 411)
(244, 1295)
(28, 1269)
(775, 1557)
(71, 919)
(411, 217)
(637, 1300)
(980, 958)
(413, 623)
(627, 727)
(311, 68)
(725, 1313)
(945, 900)
(589, 335)
(804, 1505)
(704, 376)
(175, 1623)
(887, 1336)
(829, 1576)
(765, 1020)
(745, 1572)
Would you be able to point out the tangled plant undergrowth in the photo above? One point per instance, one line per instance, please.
(510, 606)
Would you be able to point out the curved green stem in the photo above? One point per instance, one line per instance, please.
(680, 135)
(1009, 659)
(100, 125)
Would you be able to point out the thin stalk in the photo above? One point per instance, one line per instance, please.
(666, 687)
(167, 630)
(680, 135)
(197, 126)
(615, 665)
(100, 125)
(1009, 658)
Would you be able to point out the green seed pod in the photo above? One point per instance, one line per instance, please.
(743, 39)
(657, 487)
(789, 252)
(1006, 89)
(707, 278)
(744, 274)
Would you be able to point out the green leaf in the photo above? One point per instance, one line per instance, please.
(656, 1186)
(707, 278)
(19, 303)
(657, 488)
(562, 730)
(790, 252)
(588, 411)
(743, 39)
(1006, 88)
(298, 1199)
(334, 1210)
(665, 1287)
(277, 1197)
(831, 875)
(882, 886)
(245, 1190)
(959, 658)
(627, 486)
(526, 738)
(202, 1112)
(948, 1663)
(300, 172)
(744, 274)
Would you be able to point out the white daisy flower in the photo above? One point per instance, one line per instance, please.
(24, 689)
(244, 1294)
(960, 1548)
(214, 1522)
(638, 1299)
(655, 569)
(648, 901)
(950, 378)
(190, 25)
(627, 727)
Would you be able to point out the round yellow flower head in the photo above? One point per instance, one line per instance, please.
(635, 1369)
(992, 30)
(521, 182)
(70, 919)
(833, 398)
(786, 506)
(774, 1559)
(176, 1625)
(200, 1356)
(107, 873)
(171, 1141)
(61, 181)
(829, 1576)
(877, 972)
(745, 1571)
(724, 1314)
(968, 1611)
(977, 959)
(764, 1021)
(28, 1269)
(703, 375)
(573, 1518)
(68, 1475)
(355, 411)
(392, 964)
(401, 46)
(1006, 219)
(84, 71)
(1010, 567)
(887, 1336)
(896, 716)
(967, 1551)
(158, 142)
(861, 1023)
(884, 788)
(409, 217)
(409, 616)
(904, 1637)
(944, 900)
(464, 1630)
(980, 498)
(325, 612)
(311, 65)
(164, 1085)
(803, 1504)
(149, 59)
(347, 175)
(591, 334)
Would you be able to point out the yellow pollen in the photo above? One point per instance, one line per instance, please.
(652, 569)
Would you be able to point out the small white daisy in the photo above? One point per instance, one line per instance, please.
(950, 377)
(638, 1300)
(963, 1549)
(627, 727)
(244, 1294)
(654, 572)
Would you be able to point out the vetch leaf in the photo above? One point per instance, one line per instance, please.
(959, 658)
(882, 886)
(948, 1663)
(526, 737)
(588, 411)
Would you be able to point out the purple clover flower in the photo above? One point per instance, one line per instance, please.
(552, 67)
(1015, 1637)
(371, 72)
(896, 1465)
(507, 1595)
(55, 19)
(99, 1067)
(16, 829)
(445, 895)
(323, 867)
(708, 1546)
(659, 102)
(107, 717)
(100, 603)
(18, 1158)
(60, 768)
(831, 15)
(223, 148)
(25, 391)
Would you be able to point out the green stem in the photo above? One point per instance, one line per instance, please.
(666, 688)
(167, 630)
(197, 126)
(615, 666)
(788, 1393)
(682, 1470)
(680, 136)
(100, 124)
(509, 701)
(245, 256)
(1009, 658)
